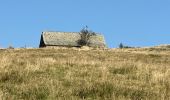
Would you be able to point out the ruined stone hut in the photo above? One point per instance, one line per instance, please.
(69, 39)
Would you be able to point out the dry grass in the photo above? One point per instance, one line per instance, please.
(54, 74)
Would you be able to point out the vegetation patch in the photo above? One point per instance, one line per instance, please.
(123, 70)
(39, 93)
(97, 90)
(12, 76)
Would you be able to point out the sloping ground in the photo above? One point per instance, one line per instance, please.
(118, 74)
(163, 46)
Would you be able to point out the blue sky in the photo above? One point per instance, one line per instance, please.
(132, 22)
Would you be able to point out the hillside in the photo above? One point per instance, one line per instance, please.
(115, 74)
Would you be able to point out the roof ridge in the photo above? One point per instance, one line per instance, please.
(65, 32)
(59, 31)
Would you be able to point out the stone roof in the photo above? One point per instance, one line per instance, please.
(68, 39)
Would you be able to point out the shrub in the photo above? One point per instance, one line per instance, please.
(85, 34)
(10, 47)
(121, 45)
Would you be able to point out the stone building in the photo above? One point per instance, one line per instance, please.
(69, 39)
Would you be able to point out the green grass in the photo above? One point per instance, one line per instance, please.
(67, 74)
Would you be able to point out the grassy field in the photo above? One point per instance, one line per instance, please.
(57, 74)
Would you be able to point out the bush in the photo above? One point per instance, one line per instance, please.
(85, 34)
(121, 46)
(10, 47)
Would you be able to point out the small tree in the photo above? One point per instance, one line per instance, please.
(10, 47)
(121, 45)
(85, 35)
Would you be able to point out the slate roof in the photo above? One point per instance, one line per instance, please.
(68, 39)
